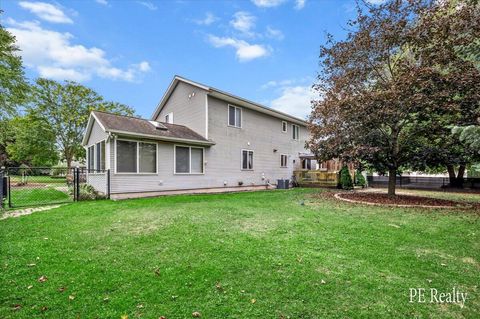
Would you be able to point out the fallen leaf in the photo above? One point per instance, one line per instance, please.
(30, 287)
(31, 265)
(46, 238)
(323, 282)
(71, 297)
(174, 297)
(17, 307)
(162, 317)
(218, 285)
(253, 301)
(44, 308)
(139, 306)
(43, 279)
(62, 289)
(106, 299)
(429, 280)
(443, 264)
(124, 317)
(196, 314)
(157, 271)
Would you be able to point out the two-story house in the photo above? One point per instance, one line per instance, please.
(198, 138)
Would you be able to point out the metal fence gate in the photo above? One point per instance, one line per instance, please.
(34, 186)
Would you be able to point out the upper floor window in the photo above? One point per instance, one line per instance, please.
(283, 160)
(284, 127)
(234, 116)
(169, 118)
(247, 160)
(295, 132)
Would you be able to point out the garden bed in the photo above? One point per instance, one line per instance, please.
(371, 198)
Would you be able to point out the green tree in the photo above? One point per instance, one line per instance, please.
(345, 178)
(34, 143)
(67, 106)
(13, 85)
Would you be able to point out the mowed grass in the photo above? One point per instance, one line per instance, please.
(245, 255)
(40, 195)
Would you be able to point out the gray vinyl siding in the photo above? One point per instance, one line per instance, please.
(222, 160)
(96, 134)
(190, 112)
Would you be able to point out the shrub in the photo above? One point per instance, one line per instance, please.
(345, 178)
(87, 192)
(359, 179)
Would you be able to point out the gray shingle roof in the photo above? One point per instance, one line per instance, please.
(137, 126)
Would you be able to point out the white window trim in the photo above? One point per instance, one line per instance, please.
(241, 159)
(235, 113)
(298, 132)
(286, 161)
(286, 127)
(138, 158)
(95, 168)
(190, 159)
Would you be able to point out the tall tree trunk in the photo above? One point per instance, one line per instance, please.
(452, 178)
(461, 172)
(392, 180)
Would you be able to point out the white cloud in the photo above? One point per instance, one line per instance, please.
(299, 4)
(274, 33)
(144, 66)
(267, 3)
(243, 22)
(149, 5)
(294, 100)
(52, 54)
(208, 20)
(244, 50)
(102, 2)
(46, 11)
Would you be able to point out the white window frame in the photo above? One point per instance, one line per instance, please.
(95, 169)
(296, 132)
(286, 127)
(190, 159)
(286, 161)
(168, 117)
(241, 160)
(138, 157)
(88, 158)
(235, 113)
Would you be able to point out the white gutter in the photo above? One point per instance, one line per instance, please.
(163, 138)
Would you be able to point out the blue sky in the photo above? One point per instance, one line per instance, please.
(128, 51)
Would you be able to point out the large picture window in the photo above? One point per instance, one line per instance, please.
(247, 160)
(188, 160)
(234, 116)
(136, 157)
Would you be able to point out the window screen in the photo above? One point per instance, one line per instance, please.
(91, 159)
(283, 160)
(182, 159)
(231, 115)
(126, 157)
(284, 126)
(247, 159)
(148, 157)
(197, 160)
(295, 132)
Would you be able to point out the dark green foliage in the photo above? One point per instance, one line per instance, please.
(359, 179)
(345, 178)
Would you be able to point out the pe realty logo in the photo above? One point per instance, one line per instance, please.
(432, 295)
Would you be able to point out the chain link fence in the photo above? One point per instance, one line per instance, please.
(423, 182)
(35, 186)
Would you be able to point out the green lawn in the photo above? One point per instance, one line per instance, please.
(245, 255)
(39, 179)
(42, 195)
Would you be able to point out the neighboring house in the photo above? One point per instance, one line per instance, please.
(197, 138)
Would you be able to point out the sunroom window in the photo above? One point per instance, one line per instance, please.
(136, 157)
(188, 160)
